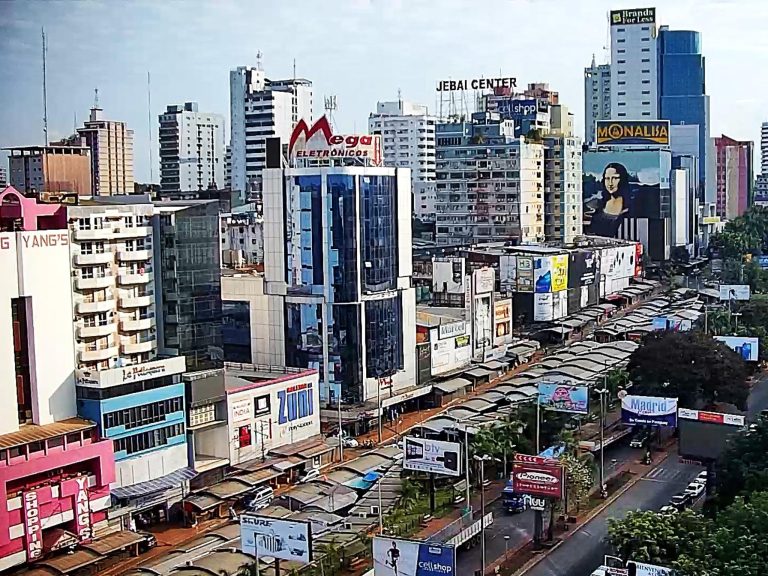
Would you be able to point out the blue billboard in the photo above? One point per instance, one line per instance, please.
(517, 108)
(622, 184)
(399, 557)
(562, 397)
(649, 410)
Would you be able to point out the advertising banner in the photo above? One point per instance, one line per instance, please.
(638, 260)
(502, 322)
(453, 329)
(634, 16)
(525, 274)
(485, 278)
(516, 108)
(672, 324)
(319, 142)
(542, 307)
(398, 557)
(763, 261)
(82, 509)
(643, 569)
(713, 417)
(633, 132)
(542, 274)
(482, 316)
(649, 410)
(32, 528)
(449, 354)
(747, 348)
(508, 273)
(284, 539)
(583, 268)
(432, 456)
(561, 397)
(621, 184)
(734, 292)
(538, 476)
(559, 272)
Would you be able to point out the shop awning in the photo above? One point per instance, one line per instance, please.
(478, 372)
(258, 477)
(114, 542)
(229, 488)
(407, 394)
(203, 502)
(66, 563)
(172, 480)
(451, 386)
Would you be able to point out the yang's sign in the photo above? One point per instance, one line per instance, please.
(649, 410)
(318, 142)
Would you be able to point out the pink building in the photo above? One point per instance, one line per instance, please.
(733, 176)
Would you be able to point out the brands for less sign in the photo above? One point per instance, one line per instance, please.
(320, 143)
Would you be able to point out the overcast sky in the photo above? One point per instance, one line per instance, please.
(359, 50)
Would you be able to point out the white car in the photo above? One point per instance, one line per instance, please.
(348, 442)
(695, 489)
(668, 510)
(309, 475)
(701, 478)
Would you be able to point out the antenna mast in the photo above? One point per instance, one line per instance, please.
(45, 89)
(149, 126)
(330, 108)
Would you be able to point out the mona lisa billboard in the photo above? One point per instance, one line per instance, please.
(623, 184)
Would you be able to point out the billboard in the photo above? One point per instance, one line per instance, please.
(398, 557)
(632, 132)
(516, 108)
(649, 410)
(583, 268)
(559, 272)
(734, 292)
(542, 274)
(643, 569)
(484, 278)
(482, 322)
(318, 142)
(624, 184)
(502, 322)
(634, 16)
(433, 456)
(283, 539)
(562, 397)
(452, 329)
(542, 307)
(538, 476)
(448, 275)
(747, 348)
(448, 354)
(525, 274)
(705, 435)
(672, 324)
(508, 273)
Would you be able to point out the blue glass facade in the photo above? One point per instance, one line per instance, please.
(139, 417)
(682, 92)
(356, 255)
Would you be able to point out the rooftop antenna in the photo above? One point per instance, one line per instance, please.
(45, 89)
(258, 61)
(330, 107)
(75, 122)
(149, 125)
(294, 69)
(95, 98)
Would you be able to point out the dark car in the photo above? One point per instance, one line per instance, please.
(149, 541)
(640, 439)
(681, 500)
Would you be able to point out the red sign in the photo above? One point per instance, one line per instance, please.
(538, 476)
(34, 533)
(319, 142)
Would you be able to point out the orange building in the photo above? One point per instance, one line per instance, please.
(54, 169)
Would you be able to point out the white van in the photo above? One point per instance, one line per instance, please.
(259, 499)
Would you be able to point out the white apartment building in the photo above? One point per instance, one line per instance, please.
(259, 109)
(192, 153)
(562, 188)
(764, 148)
(242, 238)
(111, 145)
(407, 137)
(597, 97)
(634, 85)
(112, 284)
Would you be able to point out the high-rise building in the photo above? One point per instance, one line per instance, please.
(764, 148)
(562, 188)
(734, 176)
(51, 462)
(192, 154)
(111, 146)
(261, 108)
(490, 185)
(597, 97)
(407, 133)
(634, 81)
(681, 88)
(57, 169)
(188, 292)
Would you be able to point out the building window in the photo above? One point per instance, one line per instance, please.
(148, 440)
(143, 415)
(202, 415)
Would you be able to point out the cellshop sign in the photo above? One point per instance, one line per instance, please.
(476, 84)
(132, 373)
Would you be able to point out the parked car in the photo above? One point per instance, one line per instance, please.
(701, 478)
(259, 499)
(668, 510)
(695, 489)
(681, 500)
(640, 439)
(309, 475)
(149, 541)
(349, 442)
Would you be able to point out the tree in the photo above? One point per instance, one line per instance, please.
(249, 569)
(680, 255)
(754, 312)
(580, 478)
(743, 467)
(690, 366)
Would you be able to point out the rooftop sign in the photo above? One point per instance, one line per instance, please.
(476, 84)
(319, 142)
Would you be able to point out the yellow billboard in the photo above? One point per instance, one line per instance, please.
(633, 132)
(559, 272)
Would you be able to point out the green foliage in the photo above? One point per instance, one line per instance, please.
(551, 427)
(743, 467)
(691, 366)
(581, 478)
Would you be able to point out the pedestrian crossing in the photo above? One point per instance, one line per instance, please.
(667, 474)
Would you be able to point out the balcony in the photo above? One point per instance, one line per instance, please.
(95, 331)
(98, 355)
(94, 283)
(134, 255)
(137, 278)
(95, 307)
(138, 347)
(93, 234)
(171, 319)
(136, 301)
(132, 231)
(95, 258)
(134, 324)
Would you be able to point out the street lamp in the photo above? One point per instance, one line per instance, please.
(602, 392)
(482, 459)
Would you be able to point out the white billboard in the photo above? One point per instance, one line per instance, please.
(542, 307)
(485, 278)
(449, 354)
(432, 456)
(482, 323)
(508, 273)
(747, 348)
(284, 539)
(448, 275)
(398, 557)
(734, 292)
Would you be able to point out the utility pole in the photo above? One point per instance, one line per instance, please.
(45, 88)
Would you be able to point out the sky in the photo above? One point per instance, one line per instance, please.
(361, 51)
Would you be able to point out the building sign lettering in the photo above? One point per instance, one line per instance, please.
(32, 526)
(82, 510)
(319, 142)
(476, 84)
(296, 402)
(634, 16)
(41, 240)
(638, 132)
(5, 243)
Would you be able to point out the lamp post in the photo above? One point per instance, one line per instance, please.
(482, 459)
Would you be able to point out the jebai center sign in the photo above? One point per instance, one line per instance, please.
(319, 142)
(476, 84)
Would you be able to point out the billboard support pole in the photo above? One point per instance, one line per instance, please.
(482, 513)
(538, 423)
(466, 466)
(431, 492)
(277, 567)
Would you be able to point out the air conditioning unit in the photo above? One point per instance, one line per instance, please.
(375, 510)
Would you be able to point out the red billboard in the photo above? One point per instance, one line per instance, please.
(538, 476)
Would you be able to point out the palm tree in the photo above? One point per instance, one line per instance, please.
(248, 569)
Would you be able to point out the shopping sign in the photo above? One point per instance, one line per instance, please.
(538, 476)
(318, 142)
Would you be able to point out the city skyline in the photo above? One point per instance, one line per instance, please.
(189, 54)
